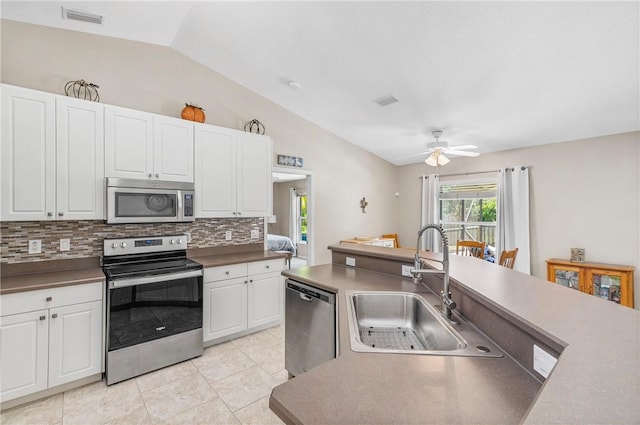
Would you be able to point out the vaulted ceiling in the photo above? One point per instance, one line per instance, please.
(498, 75)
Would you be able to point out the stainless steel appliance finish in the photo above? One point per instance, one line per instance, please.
(154, 305)
(149, 201)
(403, 322)
(310, 327)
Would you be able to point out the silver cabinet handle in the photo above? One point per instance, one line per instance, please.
(54, 315)
(49, 299)
(306, 297)
(42, 317)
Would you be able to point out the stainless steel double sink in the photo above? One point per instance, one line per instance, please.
(404, 322)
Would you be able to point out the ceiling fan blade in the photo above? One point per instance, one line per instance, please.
(461, 153)
(415, 154)
(463, 147)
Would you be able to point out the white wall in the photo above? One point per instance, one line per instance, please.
(158, 79)
(584, 194)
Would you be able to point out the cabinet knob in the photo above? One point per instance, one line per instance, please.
(239, 213)
(150, 175)
(250, 280)
(42, 317)
(227, 272)
(54, 315)
(235, 213)
(49, 299)
(157, 175)
(60, 214)
(49, 214)
(267, 266)
(245, 281)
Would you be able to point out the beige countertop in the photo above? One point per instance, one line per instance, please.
(596, 379)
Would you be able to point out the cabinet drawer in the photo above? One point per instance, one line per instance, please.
(213, 274)
(37, 300)
(268, 266)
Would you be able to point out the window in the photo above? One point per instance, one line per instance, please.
(301, 217)
(468, 210)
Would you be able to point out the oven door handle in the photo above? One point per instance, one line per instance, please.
(122, 283)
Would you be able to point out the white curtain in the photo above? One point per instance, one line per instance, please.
(513, 215)
(429, 213)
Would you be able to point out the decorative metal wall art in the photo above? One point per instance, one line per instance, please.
(290, 161)
(363, 204)
(254, 126)
(81, 89)
(577, 255)
(193, 112)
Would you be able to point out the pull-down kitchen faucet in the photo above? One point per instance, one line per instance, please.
(446, 303)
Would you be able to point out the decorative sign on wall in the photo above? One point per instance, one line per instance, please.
(577, 255)
(291, 161)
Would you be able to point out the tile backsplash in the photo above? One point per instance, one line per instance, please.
(87, 236)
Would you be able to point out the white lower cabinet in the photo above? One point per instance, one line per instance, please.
(50, 337)
(240, 297)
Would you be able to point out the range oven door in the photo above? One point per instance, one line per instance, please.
(153, 307)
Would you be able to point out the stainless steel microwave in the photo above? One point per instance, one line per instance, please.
(149, 201)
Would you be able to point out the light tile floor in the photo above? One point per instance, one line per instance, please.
(229, 384)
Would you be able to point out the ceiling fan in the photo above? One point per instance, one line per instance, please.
(438, 149)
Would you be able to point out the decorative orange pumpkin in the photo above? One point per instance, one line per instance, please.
(193, 113)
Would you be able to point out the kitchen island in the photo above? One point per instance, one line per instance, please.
(596, 378)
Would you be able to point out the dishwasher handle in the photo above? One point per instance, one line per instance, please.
(305, 297)
(308, 293)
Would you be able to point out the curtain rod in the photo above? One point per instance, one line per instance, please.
(476, 172)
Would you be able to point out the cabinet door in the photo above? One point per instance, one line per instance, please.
(128, 143)
(610, 285)
(23, 354)
(266, 295)
(28, 154)
(75, 342)
(173, 149)
(215, 169)
(571, 277)
(254, 175)
(80, 159)
(224, 308)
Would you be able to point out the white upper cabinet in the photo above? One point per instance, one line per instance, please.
(46, 137)
(80, 159)
(142, 145)
(233, 173)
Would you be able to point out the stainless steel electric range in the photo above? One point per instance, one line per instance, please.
(154, 305)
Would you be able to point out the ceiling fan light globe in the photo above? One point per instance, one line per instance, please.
(443, 160)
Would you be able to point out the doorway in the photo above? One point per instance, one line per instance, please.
(293, 209)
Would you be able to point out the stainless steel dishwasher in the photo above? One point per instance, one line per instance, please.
(310, 327)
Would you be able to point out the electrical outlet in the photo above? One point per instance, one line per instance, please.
(255, 234)
(188, 234)
(543, 362)
(65, 244)
(35, 246)
(227, 235)
(351, 261)
(406, 270)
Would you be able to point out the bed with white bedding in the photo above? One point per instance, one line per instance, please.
(280, 243)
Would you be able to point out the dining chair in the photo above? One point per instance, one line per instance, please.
(508, 258)
(470, 248)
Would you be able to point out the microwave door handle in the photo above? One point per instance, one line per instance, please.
(179, 200)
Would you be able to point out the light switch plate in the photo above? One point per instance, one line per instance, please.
(543, 362)
(65, 244)
(406, 270)
(255, 234)
(351, 261)
(227, 235)
(35, 246)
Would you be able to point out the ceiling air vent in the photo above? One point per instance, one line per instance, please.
(386, 100)
(77, 15)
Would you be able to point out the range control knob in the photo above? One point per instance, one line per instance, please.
(114, 245)
(171, 242)
(179, 241)
(123, 244)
